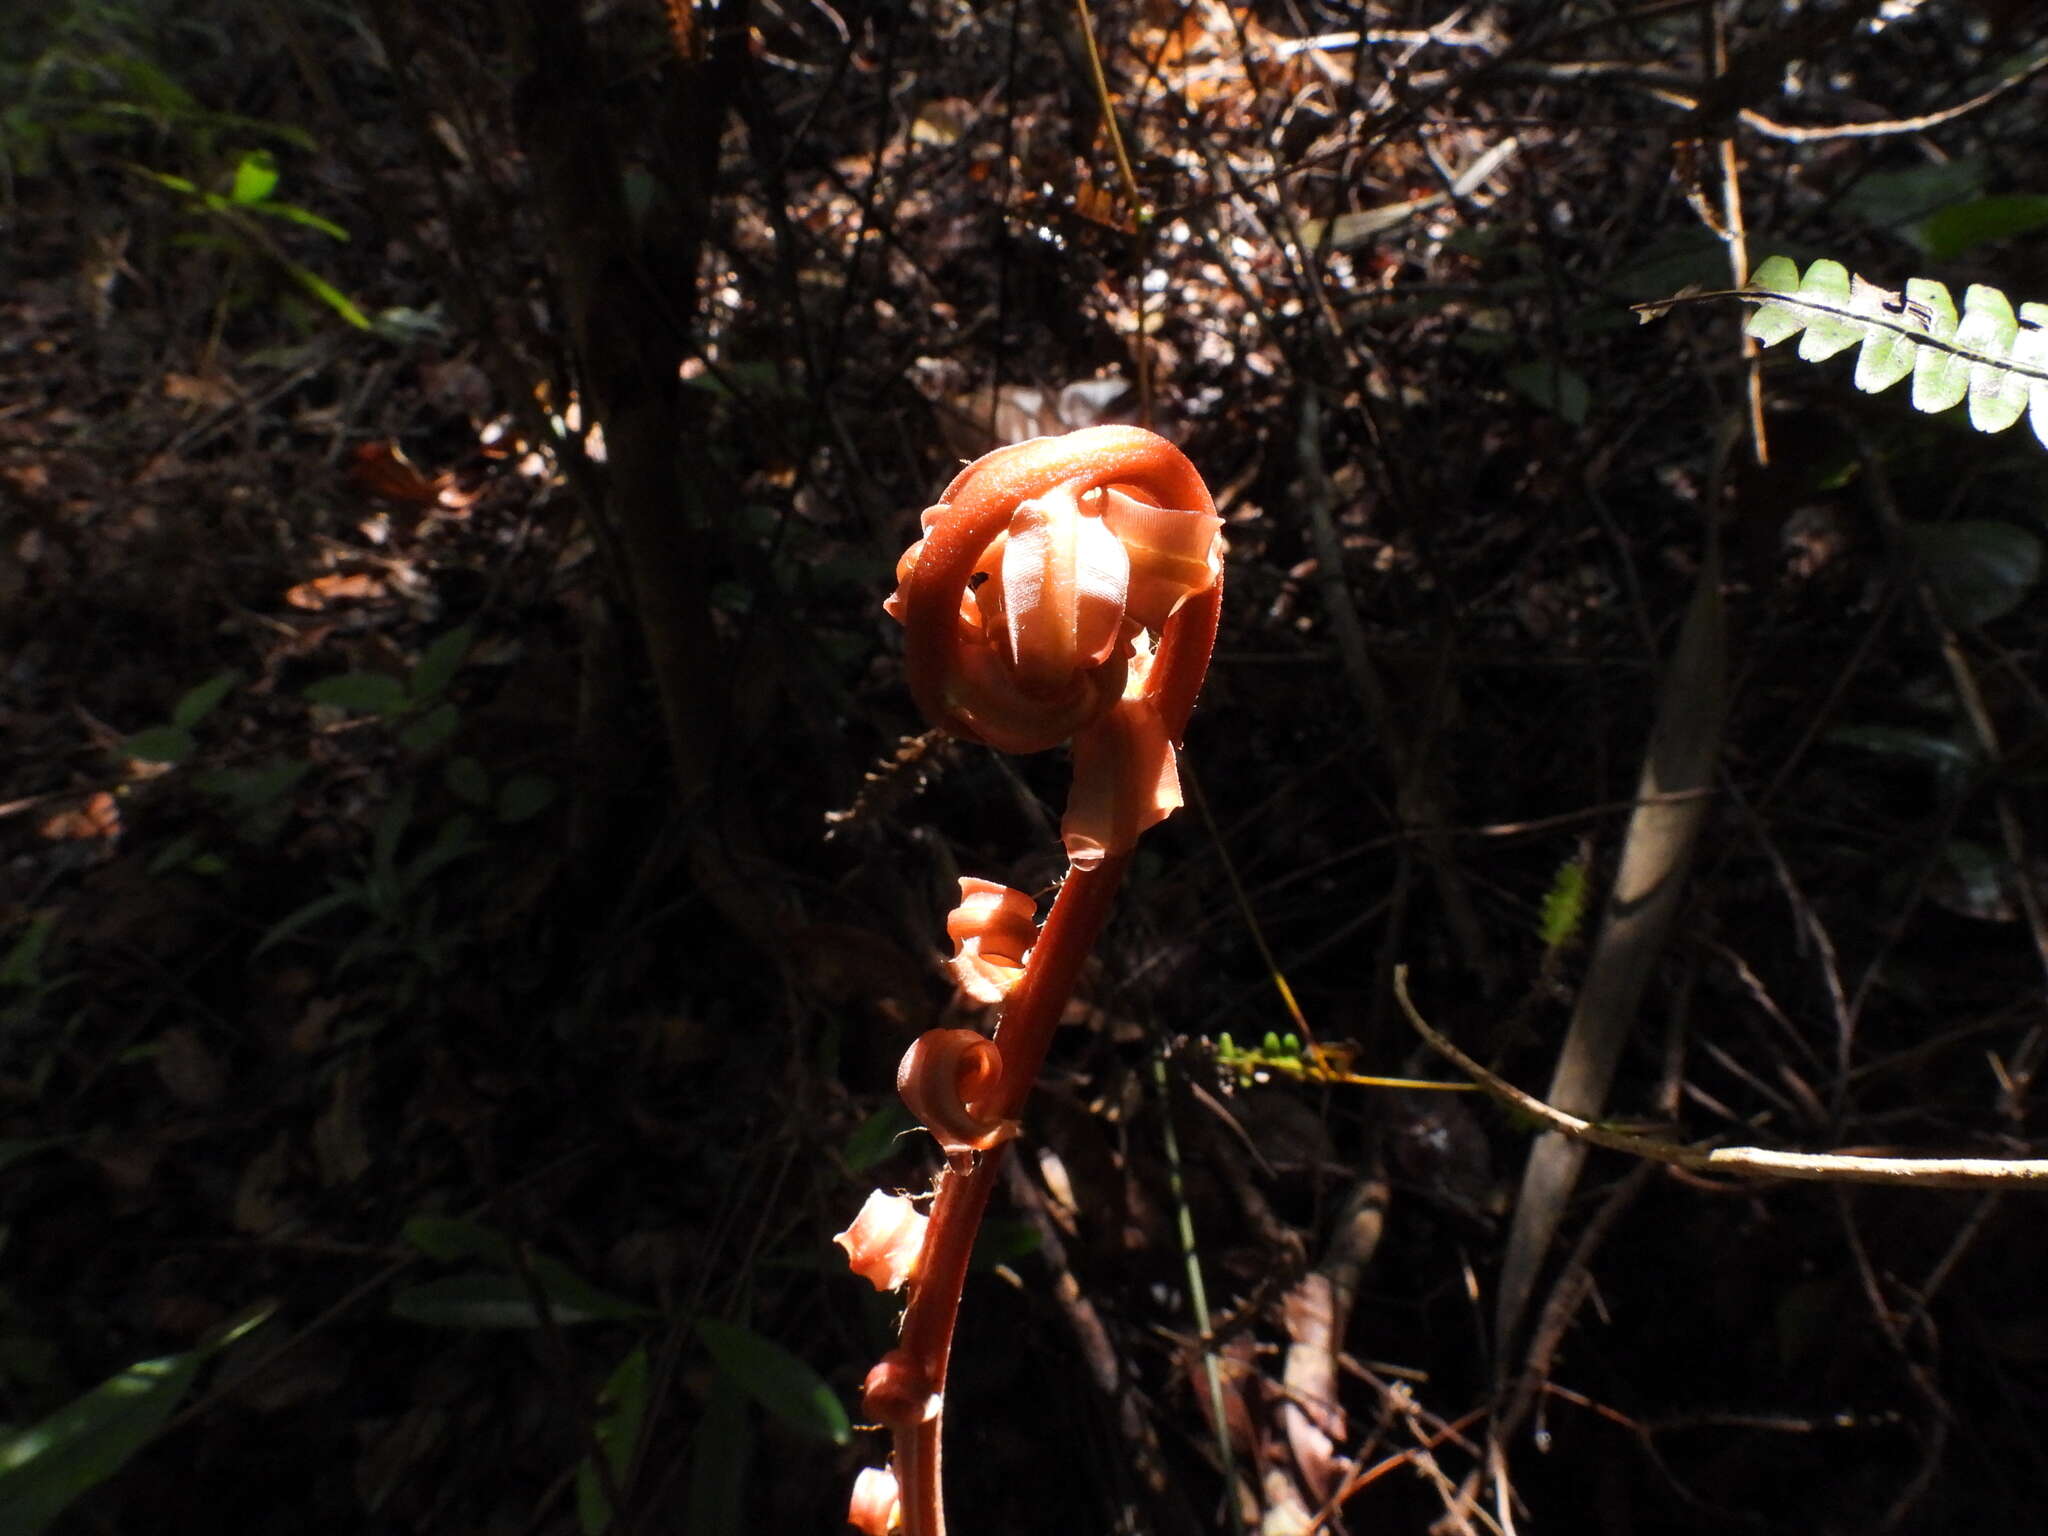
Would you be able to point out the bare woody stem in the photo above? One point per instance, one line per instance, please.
(1023, 1035)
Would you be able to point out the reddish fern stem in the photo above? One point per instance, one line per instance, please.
(1029, 1018)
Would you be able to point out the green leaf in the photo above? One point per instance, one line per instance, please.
(1949, 232)
(196, 705)
(308, 915)
(1004, 1240)
(161, 744)
(431, 729)
(451, 842)
(720, 1452)
(164, 179)
(385, 840)
(492, 1300)
(1998, 398)
(255, 177)
(45, 1468)
(1682, 258)
(479, 1301)
(292, 213)
(175, 854)
(1995, 358)
(525, 797)
(259, 796)
(1561, 391)
(467, 781)
(622, 1405)
(1564, 905)
(439, 663)
(875, 1137)
(1980, 569)
(565, 1289)
(1943, 752)
(362, 693)
(154, 90)
(251, 789)
(410, 327)
(328, 294)
(1978, 887)
(451, 1240)
(471, 1301)
(773, 1377)
(1890, 199)
(23, 964)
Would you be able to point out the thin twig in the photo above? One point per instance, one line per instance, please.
(1746, 1162)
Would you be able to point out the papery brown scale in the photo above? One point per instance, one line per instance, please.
(1125, 780)
(1173, 554)
(1064, 579)
(992, 930)
(884, 1241)
(876, 1508)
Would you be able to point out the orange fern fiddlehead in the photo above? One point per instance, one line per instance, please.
(1065, 590)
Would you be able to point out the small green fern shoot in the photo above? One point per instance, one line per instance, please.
(1993, 358)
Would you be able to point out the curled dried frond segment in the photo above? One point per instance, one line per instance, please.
(1055, 589)
(883, 1244)
(992, 932)
(949, 1079)
(877, 1507)
(1125, 777)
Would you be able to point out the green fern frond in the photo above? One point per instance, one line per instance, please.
(1564, 905)
(1995, 359)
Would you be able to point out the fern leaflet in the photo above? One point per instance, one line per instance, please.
(1990, 356)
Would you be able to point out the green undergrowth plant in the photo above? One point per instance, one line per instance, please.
(394, 897)
(1285, 1056)
(48, 1466)
(1991, 358)
(1990, 355)
(392, 905)
(495, 1284)
(98, 83)
(38, 992)
(95, 81)
(232, 217)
